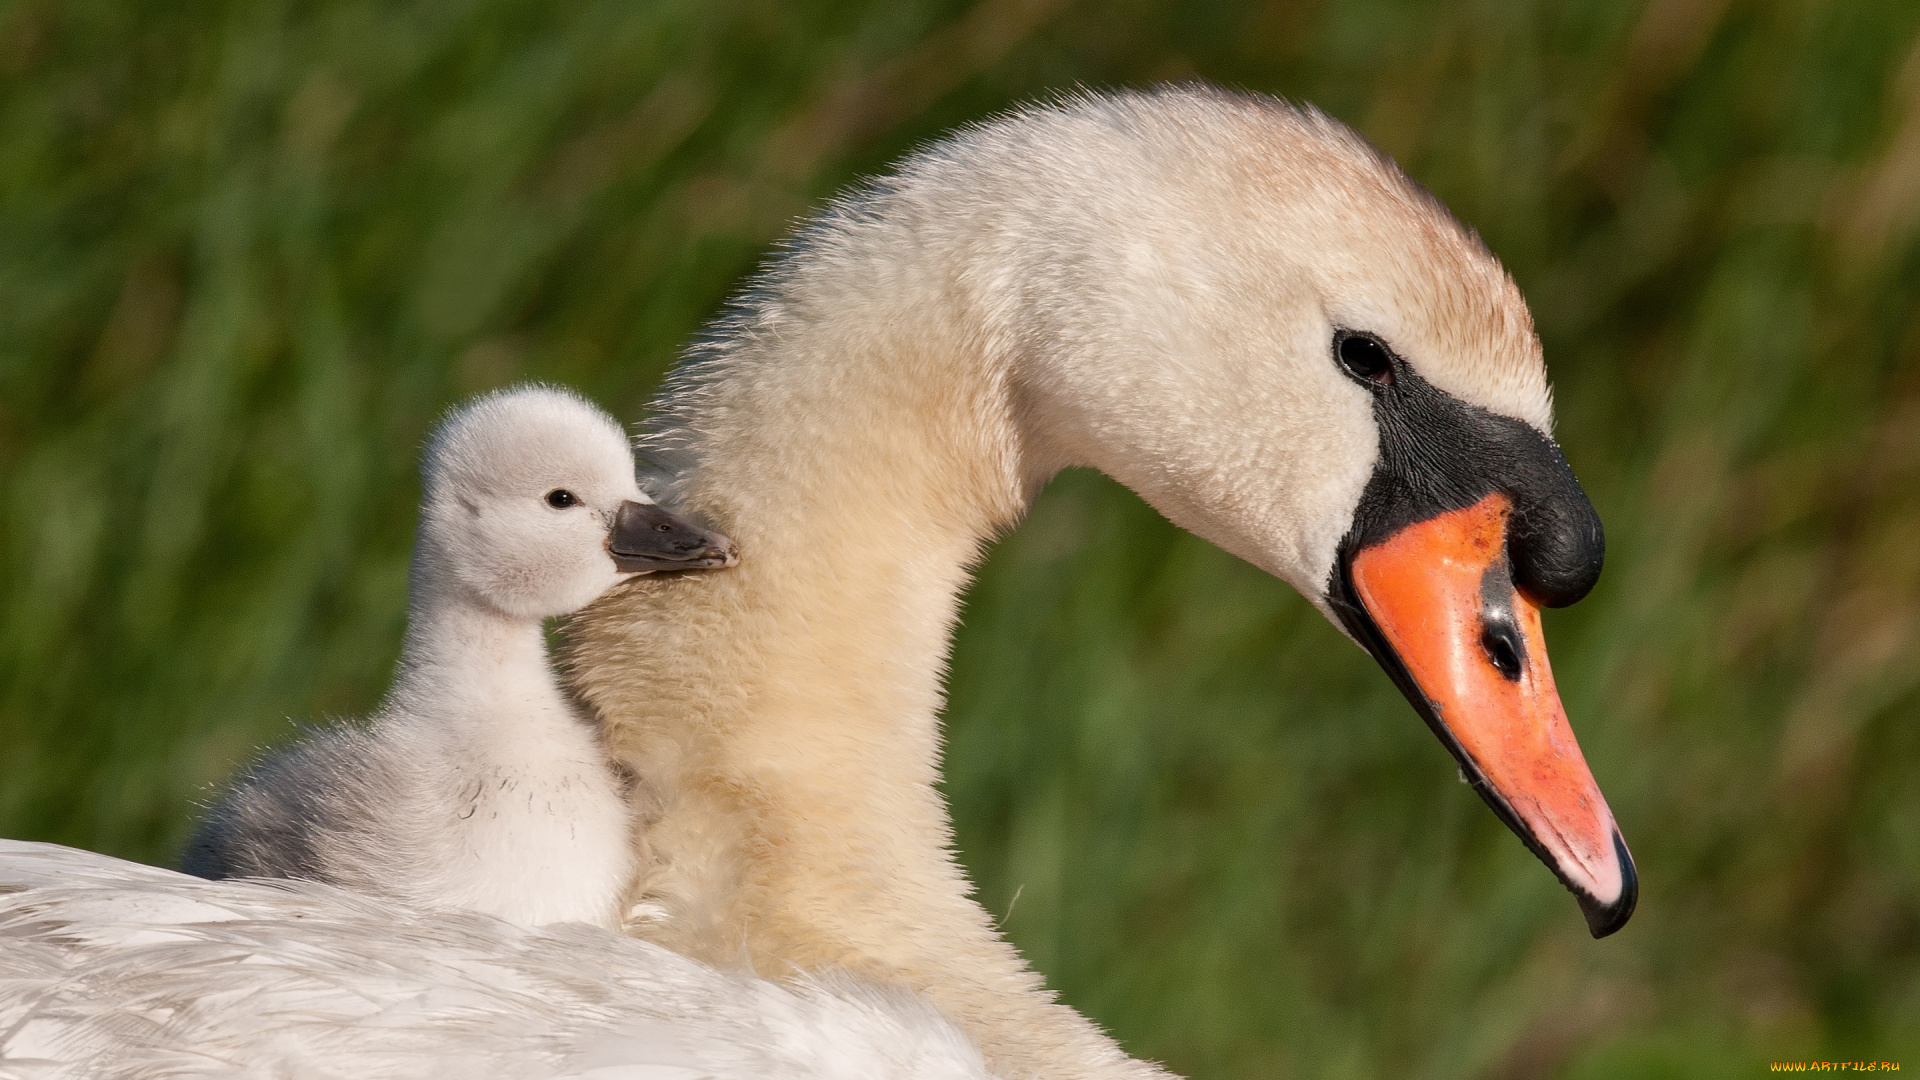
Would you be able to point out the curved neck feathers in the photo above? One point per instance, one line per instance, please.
(856, 429)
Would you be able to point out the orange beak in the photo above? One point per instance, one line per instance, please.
(1470, 650)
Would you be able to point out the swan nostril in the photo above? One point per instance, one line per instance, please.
(1500, 635)
(1503, 650)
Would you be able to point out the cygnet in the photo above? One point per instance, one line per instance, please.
(477, 784)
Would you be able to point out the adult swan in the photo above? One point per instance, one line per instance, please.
(1236, 308)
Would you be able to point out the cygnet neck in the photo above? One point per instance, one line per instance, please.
(858, 433)
(466, 663)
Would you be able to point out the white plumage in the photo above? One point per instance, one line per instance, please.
(113, 970)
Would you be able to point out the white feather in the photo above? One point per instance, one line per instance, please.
(113, 970)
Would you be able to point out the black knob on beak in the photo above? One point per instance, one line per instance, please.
(646, 539)
(1556, 542)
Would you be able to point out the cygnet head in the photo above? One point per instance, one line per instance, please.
(530, 507)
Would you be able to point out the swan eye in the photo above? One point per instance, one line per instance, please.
(561, 498)
(1365, 358)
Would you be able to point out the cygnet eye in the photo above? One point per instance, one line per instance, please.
(1364, 357)
(561, 498)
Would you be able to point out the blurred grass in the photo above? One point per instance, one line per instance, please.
(248, 251)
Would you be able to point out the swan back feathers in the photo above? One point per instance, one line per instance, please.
(108, 969)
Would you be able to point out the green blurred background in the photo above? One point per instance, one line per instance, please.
(248, 251)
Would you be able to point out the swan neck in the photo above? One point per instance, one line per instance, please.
(858, 433)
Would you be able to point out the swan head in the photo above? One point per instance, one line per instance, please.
(531, 507)
(1290, 349)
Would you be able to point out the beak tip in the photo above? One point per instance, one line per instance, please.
(1606, 918)
(647, 539)
(719, 554)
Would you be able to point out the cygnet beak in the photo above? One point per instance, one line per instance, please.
(646, 539)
